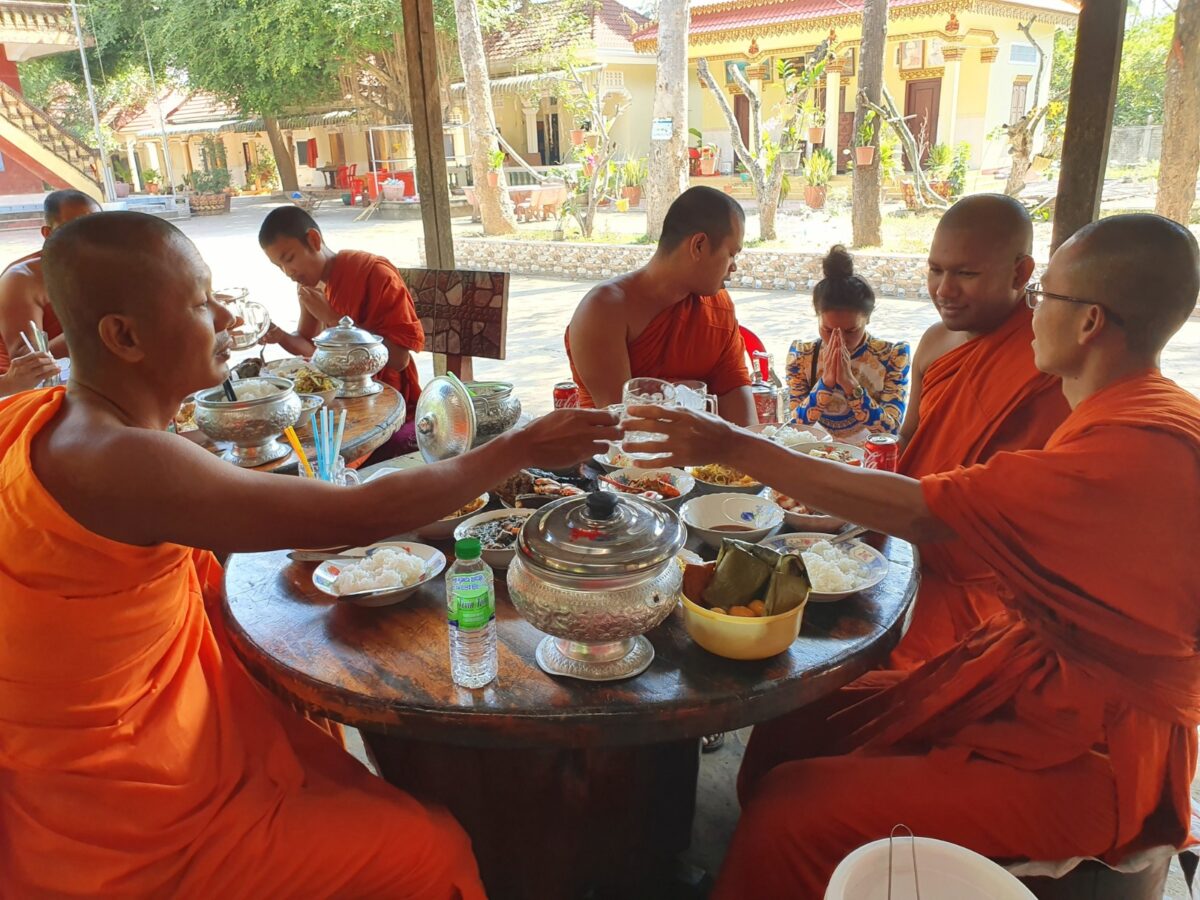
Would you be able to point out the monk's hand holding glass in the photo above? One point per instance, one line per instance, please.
(567, 436)
(681, 437)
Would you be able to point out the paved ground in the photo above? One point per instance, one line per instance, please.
(539, 312)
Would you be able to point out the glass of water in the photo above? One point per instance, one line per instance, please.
(694, 395)
(647, 392)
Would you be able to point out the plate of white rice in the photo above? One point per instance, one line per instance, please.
(835, 570)
(388, 573)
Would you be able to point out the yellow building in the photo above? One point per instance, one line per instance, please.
(524, 62)
(959, 68)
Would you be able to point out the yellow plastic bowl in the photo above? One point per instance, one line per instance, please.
(737, 638)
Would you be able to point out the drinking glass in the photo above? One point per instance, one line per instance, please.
(341, 474)
(694, 395)
(647, 392)
(251, 319)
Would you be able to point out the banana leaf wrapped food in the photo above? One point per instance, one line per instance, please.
(745, 573)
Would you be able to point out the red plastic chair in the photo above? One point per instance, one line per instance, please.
(343, 177)
(754, 345)
(358, 188)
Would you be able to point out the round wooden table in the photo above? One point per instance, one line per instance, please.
(567, 788)
(370, 421)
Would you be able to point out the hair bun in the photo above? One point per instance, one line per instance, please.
(838, 263)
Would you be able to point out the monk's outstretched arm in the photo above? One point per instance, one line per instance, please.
(892, 504)
(144, 487)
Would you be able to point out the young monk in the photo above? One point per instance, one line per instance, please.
(671, 319)
(137, 757)
(975, 392)
(353, 283)
(23, 290)
(1066, 725)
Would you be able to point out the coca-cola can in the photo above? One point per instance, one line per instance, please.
(883, 452)
(566, 395)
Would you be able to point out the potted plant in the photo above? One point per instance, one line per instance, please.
(937, 165)
(636, 171)
(789, 159)
(818, 169)
(152, 179)
(708, 159)
(210, 192)
(577, 137)
(864, 151)
(495, 163)
(121, 178)
(816, 122)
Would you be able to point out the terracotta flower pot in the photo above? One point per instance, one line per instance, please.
(493, 178)
(152, 188)
(816, 135)
(814, 196)
(864, 156)
(632, 193)
(708, 165)
(577, 137)
(592, 139)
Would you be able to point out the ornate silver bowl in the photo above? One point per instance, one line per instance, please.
(351, 355)
(497, 408)
(250, 425)
(595, 573)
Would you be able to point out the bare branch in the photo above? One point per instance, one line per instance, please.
(1027, 30)
(735, 133)
(888, 113)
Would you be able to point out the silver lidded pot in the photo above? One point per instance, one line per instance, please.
(252, 426)
(595, 573)
(497, 408)
(352, 355)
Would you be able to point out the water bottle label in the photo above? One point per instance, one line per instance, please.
(471, 604)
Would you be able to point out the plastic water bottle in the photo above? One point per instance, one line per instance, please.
(471, 615)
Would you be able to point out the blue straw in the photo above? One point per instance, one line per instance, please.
(312, 423)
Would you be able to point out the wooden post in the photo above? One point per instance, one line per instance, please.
(420, 53)
(1100, 35)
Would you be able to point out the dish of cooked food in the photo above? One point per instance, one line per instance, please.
(722, 475)
(535, 482)
(615, 457)
(249, 368)
(385, 569)
(473, 507)
(662, 485)
(251, 389)
(497, 534)
(310, 381)
(837, 454)
(748, 581)
(185, 419)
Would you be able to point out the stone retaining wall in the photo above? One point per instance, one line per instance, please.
(892, 275)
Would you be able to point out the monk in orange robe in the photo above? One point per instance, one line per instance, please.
(137, 757)
(353, 283)
(1065, 726)
(23, 300)
(671, 319)
(976, 392)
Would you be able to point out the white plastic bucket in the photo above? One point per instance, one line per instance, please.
(947, 872)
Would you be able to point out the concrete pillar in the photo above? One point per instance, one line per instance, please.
(152, 154)
(530, 113)
(948, 108)
(833, 105)
(131, 155)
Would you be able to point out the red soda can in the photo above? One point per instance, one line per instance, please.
(883, 452)
(566, 395)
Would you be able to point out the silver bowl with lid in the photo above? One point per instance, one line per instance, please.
(252, 426)
(497, 408)
(595, 573)
(352, 355)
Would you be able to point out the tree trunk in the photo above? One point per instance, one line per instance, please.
(1020, 147)
(285, 161)
(668, 163)
(866, 219)
(1181, 126)
(495, 204)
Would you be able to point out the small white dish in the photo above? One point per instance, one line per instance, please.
(794, 434)
(496, 558)
(743, 517)
(857, 453)
(798, 521)
(327, 572)
(876, 563)
(679, 479)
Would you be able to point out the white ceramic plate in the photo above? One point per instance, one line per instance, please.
(681, 480)
(857, 452)
(876, 563)
(323, 576)
(497, 559)
(805, 521)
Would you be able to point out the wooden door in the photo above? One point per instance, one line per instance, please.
(337, 148)
(921, 100)
(741, 112)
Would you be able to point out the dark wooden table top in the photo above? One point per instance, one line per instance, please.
(369, 422)
(388, 669)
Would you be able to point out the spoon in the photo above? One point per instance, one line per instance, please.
(324, 555)
(850, 534)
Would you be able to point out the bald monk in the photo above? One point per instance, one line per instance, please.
(975, 393)
(353, 283)
(23, 291)
(137, 757)
(671, 319)
(1066, 725)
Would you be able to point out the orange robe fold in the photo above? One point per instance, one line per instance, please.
(1063, 727)
(977, 400)
(50, 323)
(368, 289)
(697, 339)
(139, 759)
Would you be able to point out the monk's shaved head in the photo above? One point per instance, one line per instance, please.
(1144, 267)
(112, 262)
(286, 221)
(63, 206)
(1001, 218)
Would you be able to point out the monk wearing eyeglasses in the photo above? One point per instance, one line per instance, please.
(1065, 726)
(137, 757)
(975, 392)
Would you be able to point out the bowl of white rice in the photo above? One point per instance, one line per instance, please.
(794, 433)
(386, 573)
(835, 570)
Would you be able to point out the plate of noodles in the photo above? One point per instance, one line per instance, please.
(717, 479)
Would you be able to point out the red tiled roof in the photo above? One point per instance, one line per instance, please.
(540, 26)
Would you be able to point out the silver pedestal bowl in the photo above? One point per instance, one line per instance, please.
(252, 426)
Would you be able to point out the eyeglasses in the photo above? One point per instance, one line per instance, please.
(1035, 295)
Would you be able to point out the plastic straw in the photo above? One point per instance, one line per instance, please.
(337, 442)
(38, 338)
(25, 340)
(229, 393)
(312, 423)
(290, 434)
